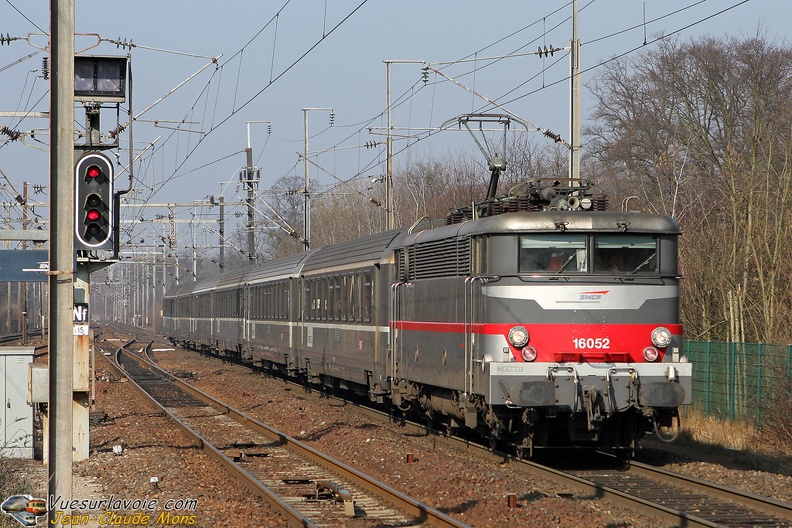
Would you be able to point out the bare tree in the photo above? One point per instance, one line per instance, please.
(702, 130)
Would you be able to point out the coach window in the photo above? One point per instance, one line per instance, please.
(284, 300)
(276, 305)
(358, 297)
(553, 253)
(367, 293)
(625, 254)
(314, 297)
(315, 289)
(340, 296)
(331, 298)
(322, 315)
(351, 293)
(341, 299)
(276, 300)
(330, 301)
(308, 302)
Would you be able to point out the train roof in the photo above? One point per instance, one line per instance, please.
(205, 285)
(281, 268)
(551, 222)
(180, 289)
(364, 251)
(233, 277)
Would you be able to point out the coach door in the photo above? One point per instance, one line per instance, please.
(393, 331)
(472, 318)
(245, 313)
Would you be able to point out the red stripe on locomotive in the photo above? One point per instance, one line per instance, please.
(564, 342)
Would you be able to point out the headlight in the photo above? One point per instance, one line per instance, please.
(529, 353)
(651, 354)
(518, 336)
(661, 337)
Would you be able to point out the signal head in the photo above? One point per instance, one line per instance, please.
(94, 227)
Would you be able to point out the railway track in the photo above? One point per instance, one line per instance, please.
(672, 497)
(676, 498)
(307, 487)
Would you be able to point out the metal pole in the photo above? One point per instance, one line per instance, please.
(306, 193)
(390, 216)
(251, 170)
(389, 157)
(574, 125)
(221, 201)
(24, 300)
(195, 253)
(251, 235)
(61, 278)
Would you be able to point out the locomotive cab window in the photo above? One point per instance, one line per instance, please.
(625, 254)
(553, 253)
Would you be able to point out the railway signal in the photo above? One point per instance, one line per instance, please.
(94, 202)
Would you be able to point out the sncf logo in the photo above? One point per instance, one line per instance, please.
(592, 296)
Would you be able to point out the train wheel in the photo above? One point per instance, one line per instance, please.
(623, 458)
(429, 425)
(524, 453)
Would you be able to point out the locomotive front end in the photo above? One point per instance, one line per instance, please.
(579, 334)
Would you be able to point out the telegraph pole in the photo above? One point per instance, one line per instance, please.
(61, 274)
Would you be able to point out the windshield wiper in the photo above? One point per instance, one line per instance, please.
(644, 263)
(573, 255)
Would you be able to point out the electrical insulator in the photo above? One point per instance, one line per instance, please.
(332, 118)
(425, 73)
(45, 67)
(12, 134)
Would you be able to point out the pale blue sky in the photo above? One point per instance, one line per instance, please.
(312, 55)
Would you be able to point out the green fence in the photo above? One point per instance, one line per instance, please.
(739, 380)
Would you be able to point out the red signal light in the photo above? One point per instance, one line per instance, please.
(94, 214)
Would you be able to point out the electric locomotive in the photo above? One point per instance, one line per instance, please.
(538, 319)
(548, 322)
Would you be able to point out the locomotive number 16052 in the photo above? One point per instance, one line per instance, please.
(599, 343)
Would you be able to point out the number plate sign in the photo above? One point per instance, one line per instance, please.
(80, 319)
